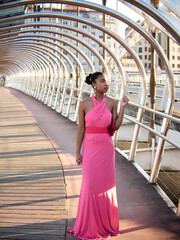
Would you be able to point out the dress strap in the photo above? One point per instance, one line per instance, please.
(96, 102)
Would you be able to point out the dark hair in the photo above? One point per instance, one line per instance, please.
(92, 77)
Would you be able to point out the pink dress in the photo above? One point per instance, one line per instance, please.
(97, 215)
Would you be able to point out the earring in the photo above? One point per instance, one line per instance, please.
(94, 90)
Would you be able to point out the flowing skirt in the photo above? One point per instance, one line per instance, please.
(97, 215)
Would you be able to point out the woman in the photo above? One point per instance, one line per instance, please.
(97, 216)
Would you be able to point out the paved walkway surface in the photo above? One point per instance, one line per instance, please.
(32, 189)
(35, 142)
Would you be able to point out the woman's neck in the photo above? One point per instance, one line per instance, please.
(99, 96)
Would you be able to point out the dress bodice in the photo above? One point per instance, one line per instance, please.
(100, 115)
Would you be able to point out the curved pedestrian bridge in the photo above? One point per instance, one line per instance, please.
(47, 47)
(40, 182)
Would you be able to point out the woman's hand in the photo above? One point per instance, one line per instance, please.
(117, 118)
(124, 101)
(78, 159)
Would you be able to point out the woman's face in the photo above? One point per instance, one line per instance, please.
(101, 83)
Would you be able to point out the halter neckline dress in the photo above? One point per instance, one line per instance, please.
(97, 215)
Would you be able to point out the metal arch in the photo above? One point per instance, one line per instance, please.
(145, 34)
(66, 76)
(42, 65)
(139, 3)
(138, 28)
(17, 66)
(157, 15)
(4, 70)
(52, 83)
(16, 71)
(149, 19)
(59, 46)
(53, 14)
(54, 39)
(33, 64)
(13, 67)
(66, 79)
(92, 37)
(88, 22)
(36, 94)
(49, 88)
(52, 58)
(31, 36)
(35, 58)
(93, 50)
(82, 42)
(72, 55)
(31, 42)
(53, 43)
(8, 44)
(37, 43)
(41, 36)
(37, 55)
(37, 52)
(9, 60)
(66, 35)
(35, 69)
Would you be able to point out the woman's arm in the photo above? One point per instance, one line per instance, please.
(80, 134)
(117, 118)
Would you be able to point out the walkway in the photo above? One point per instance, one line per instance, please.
(32, 193)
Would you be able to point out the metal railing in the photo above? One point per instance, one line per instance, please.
(49, 67)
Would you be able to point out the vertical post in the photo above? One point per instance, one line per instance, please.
(159, 152)
(152, 91)
(154, 3)
(104, 34)
(77, 54)
(117, 54)
(168, 48)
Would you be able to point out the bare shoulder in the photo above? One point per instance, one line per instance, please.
(86, 104)
(110, 101)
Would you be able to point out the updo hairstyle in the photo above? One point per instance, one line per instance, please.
(92, 77)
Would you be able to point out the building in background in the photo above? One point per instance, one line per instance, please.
(169, 46)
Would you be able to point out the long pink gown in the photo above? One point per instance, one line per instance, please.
(97, 215)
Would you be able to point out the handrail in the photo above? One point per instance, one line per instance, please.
(154, 131)
(174, 119)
